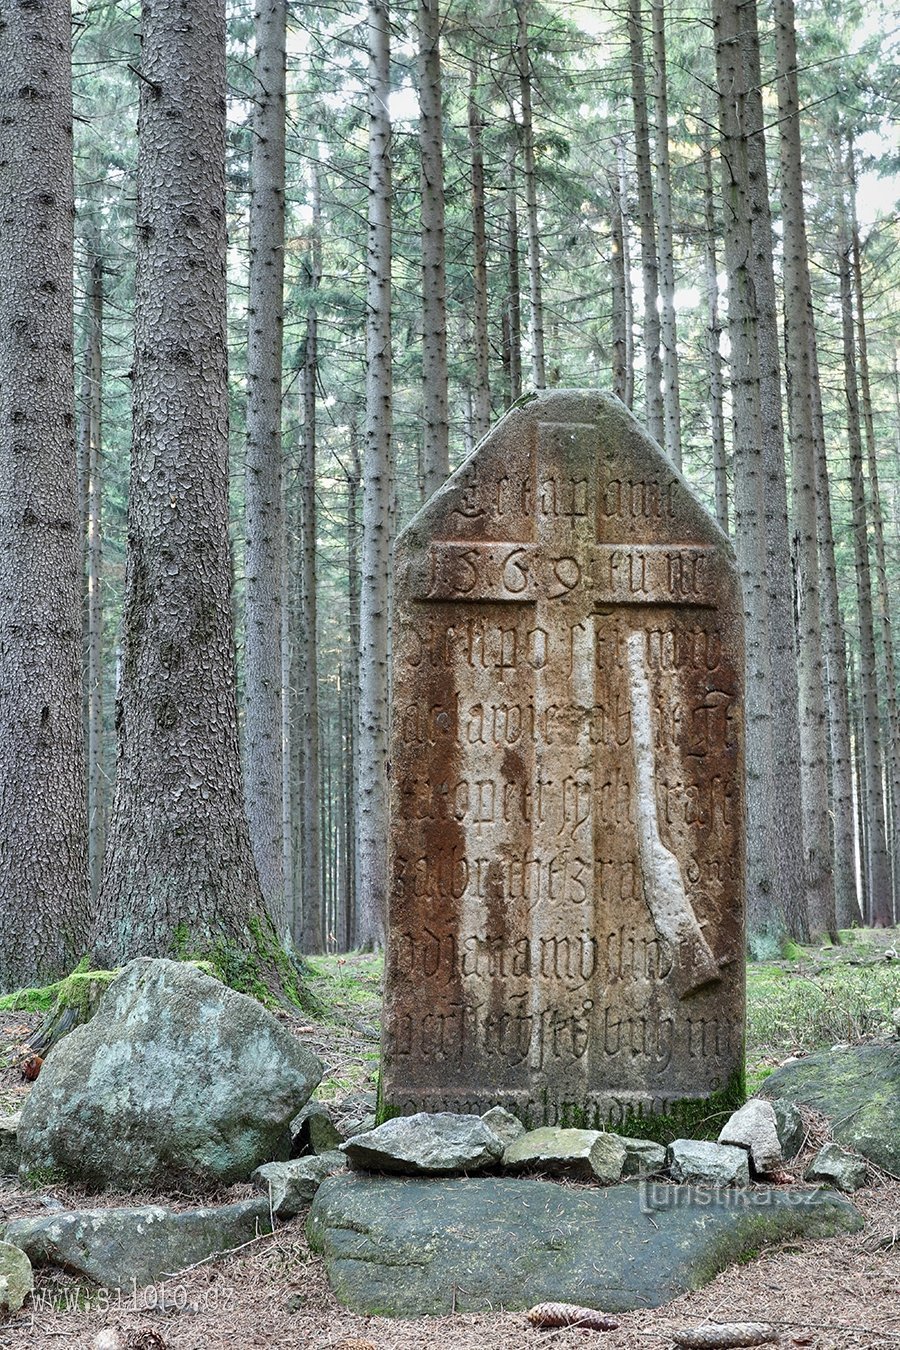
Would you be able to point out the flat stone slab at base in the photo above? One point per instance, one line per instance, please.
(858, 1089)
(113, 1247)
(412, 1248)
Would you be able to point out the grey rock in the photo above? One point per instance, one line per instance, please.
(581, 1155)
(16, 1278)
(361, 1126)
(839, 1168)
(698, 1160)
(313, 1131)
(504, 1124)
(175, 1079)
(115, 1246)
(857, 1088)
(643, 1157)
(755, 1128)
(9, 1145)
(291, 1185)
(790, 1127)
(426, 1142)
(413, 1248)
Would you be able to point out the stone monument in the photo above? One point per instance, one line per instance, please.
(565, 927)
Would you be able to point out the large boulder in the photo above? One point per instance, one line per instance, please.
(858, 1088)
(115, 1247)
(176, 1080)
(424, 1143)
(423, 1247)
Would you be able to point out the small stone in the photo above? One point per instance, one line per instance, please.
(790, 1127)
(16, 1279)
(504, 1124)
(362, 1125)
(581, 1155)
(846, 1171)
(313, 1131)
(291, 1185)
(643, 1157)
(9, 1145)
(755, 1128)
(698, 1160)
(424, 1143)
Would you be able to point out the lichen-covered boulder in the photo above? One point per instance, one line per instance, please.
(175, 1080)
(839, 1168)
(580, 1155)
(9, 1145)
(425, 1143)
(16, 1279)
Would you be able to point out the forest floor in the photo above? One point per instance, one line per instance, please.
(836, 1294)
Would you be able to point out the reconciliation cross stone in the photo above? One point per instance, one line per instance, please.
(565, 927)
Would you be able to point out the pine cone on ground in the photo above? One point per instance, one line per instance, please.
(724, 1336)
(570, 1315)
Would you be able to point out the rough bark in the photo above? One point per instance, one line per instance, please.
(44, 904)
(714, 339)
(92, 462)
(529, 175)
(310, 789)
(435, 417)
(734, 36)
(668, 322)
(653, 400)
(481, 346)
(179, 869)
(513, 343)
(354, 479)
(801, 366)
(872, 791)
(619, 288)
(378, 512)
(264, 521)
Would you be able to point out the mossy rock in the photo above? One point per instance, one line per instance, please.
(857, 1088)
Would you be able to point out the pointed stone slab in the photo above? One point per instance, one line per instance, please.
(420, 1248)
(566, 885)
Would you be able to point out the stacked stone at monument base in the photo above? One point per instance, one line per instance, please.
(566, 888)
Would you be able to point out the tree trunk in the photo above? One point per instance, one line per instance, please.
(619, 287)
(523, 58)
(44, 901)
(354, 479)
(801, 367)
(436, 456)
(92, 420)
(878, 864)
(714, 341)
(179, 873)
(668, 322)
(892, 749)
(734, 35)
(513, 345)
(481, 345)
(653, 400)
(264, 521)
(378, 513)
(310, 787)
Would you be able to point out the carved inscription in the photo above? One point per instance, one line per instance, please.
(566, 872)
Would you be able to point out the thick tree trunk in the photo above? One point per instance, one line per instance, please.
(872, 790)
(668, 322)
(436, 450)
(734, 37)
(801, 368)
(44, 901)
(179, 872)
(481, 344)
(523, 58)
(92, 463)
(378, 504)
(653, 400)
(310, 787)
(264, 521)
(714, 339)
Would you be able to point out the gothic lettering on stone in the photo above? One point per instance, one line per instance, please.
(565, 928)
